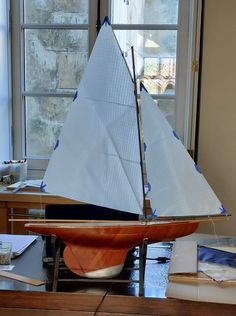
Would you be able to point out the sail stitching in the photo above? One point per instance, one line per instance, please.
(110, 102)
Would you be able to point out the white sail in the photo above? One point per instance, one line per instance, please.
(177, 188)
(97, 159)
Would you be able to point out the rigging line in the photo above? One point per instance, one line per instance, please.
(139, 133)
(118, 156)
(106, 101)
(214, 230)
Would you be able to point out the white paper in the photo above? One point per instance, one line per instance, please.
(183, 257)
(19, 242)
(6, 267)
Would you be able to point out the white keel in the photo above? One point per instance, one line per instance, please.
(110, 272)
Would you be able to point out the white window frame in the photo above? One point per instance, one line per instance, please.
(5, 86)
(186, 85)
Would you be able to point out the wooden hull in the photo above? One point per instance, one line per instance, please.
(100, 249)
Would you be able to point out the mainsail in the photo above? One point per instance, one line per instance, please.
(177, 187)
(97, 159)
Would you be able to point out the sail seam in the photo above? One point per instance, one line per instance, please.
(109, 102)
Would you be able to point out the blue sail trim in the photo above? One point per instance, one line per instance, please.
(106, 21)
(144, 147)
(151, 216)
(197, 168)
(42, 186)
(154, 213)
(223, 210)
(142, 87)
(175, 134)
(149, 187)
(56, 145)
(75, 96)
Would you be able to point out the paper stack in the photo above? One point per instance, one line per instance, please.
(204, 280)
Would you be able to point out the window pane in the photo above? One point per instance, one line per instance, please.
(44, 119)
(54, 59)
(155, 57)
(145, 12)
(159, 75)
(56, 11)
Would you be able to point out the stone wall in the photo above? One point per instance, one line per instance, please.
(55, 60)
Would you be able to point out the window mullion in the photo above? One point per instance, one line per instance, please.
(163, 96)
(145, 27)
(92, 24)
(55, 26)
(46, 94)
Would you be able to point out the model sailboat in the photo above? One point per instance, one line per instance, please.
(97, 160)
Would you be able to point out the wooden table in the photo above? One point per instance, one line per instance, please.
(74, 304)
(19, 299)
(23, 200)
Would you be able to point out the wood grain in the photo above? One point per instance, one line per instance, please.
(41, 312)
(21, 278)
(199, 278)
(49, 300)
(159, 307)
(69, 304)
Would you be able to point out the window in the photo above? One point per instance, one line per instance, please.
(51, 44)
(162, 33)
(151, 27)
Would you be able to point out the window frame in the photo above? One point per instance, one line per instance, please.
(5, 81)
(186, 85)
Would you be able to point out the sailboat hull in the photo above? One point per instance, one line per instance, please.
(99, 250)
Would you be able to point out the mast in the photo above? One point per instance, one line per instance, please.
(145, 206)
(98, 22)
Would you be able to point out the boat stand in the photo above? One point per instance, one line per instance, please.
(57, 266)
